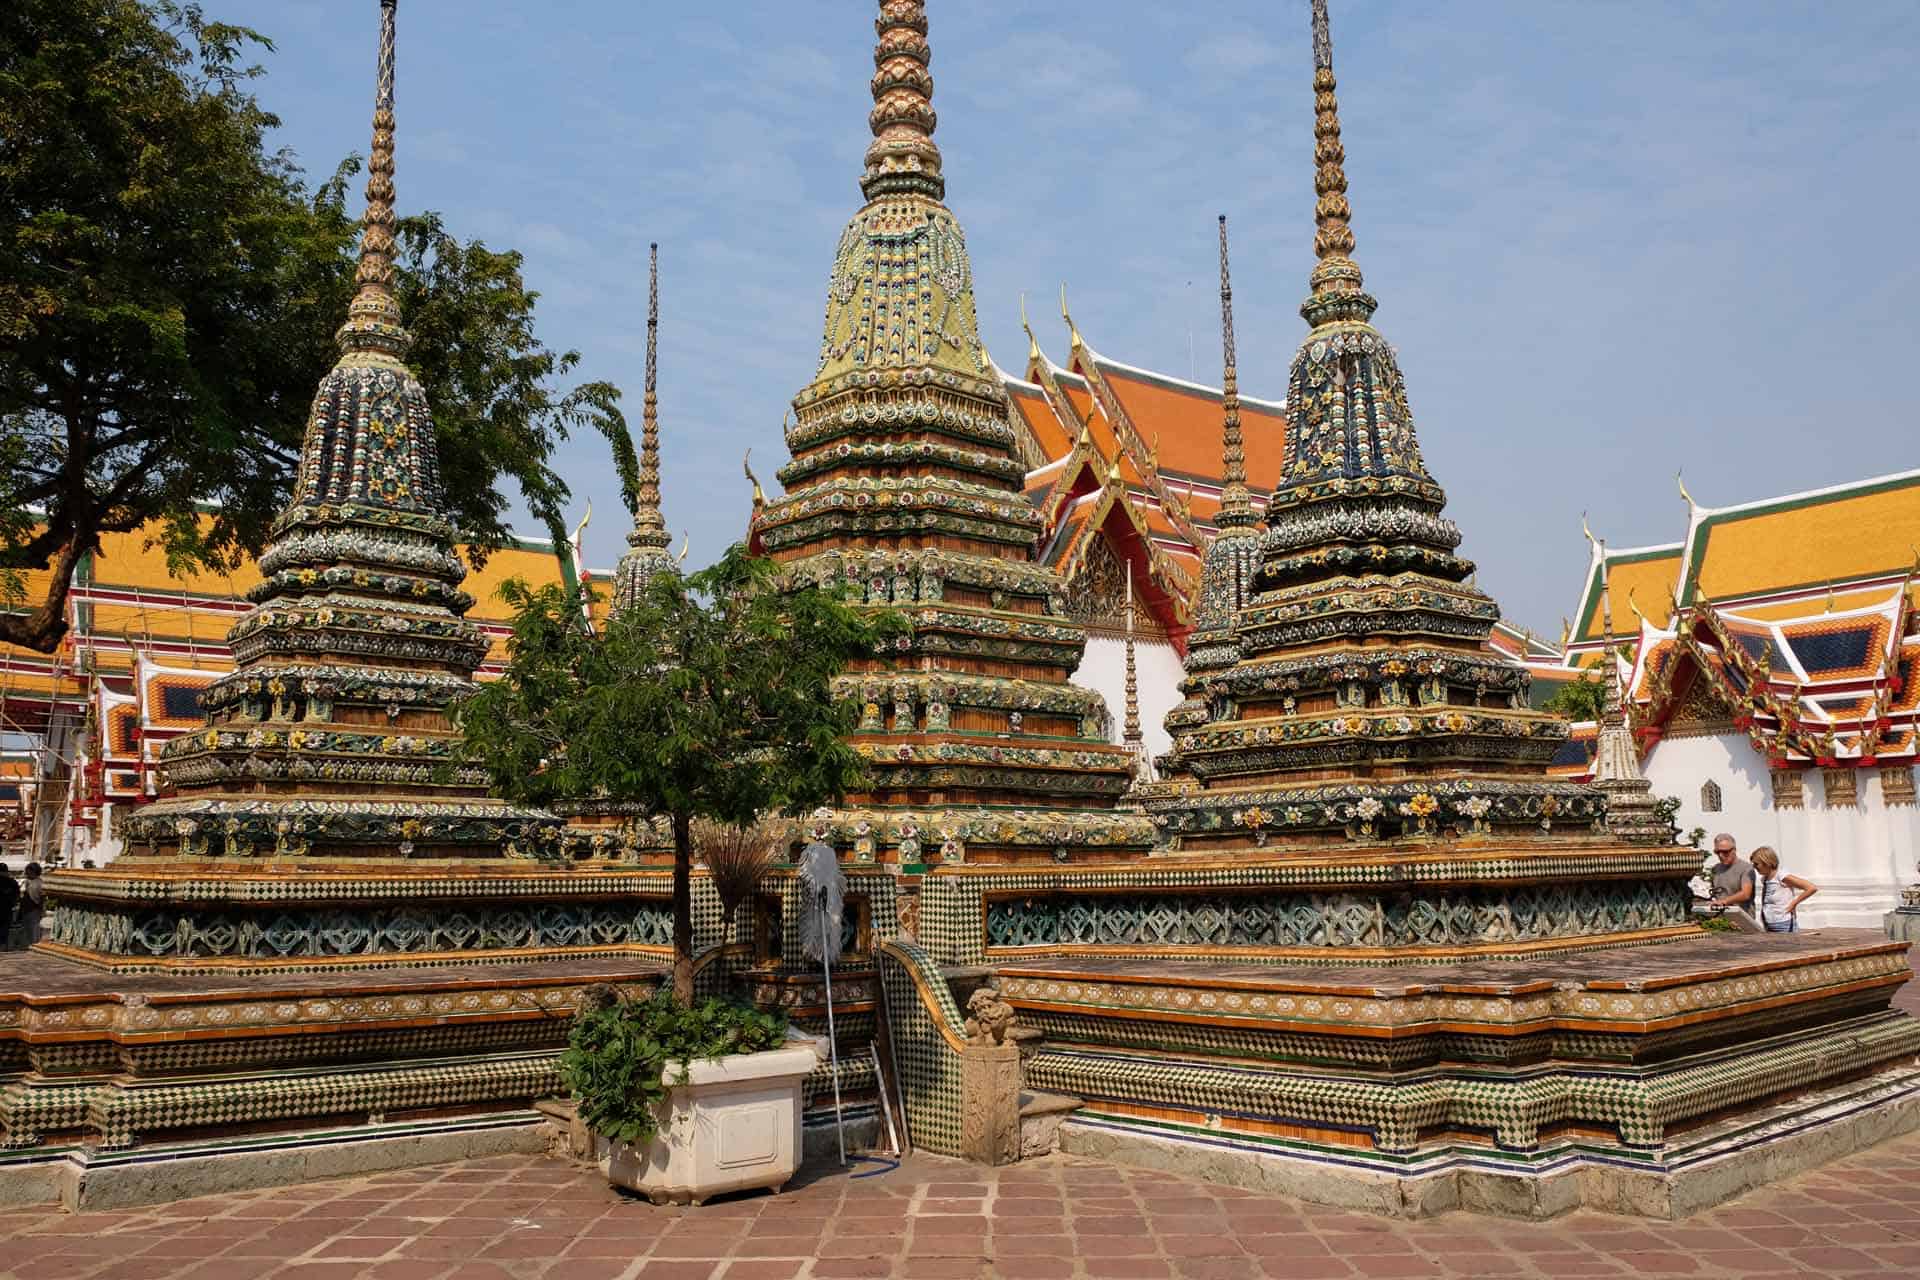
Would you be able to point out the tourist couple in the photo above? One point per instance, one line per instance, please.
(1758, 888)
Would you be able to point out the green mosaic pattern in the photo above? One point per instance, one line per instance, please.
(928, 1066)
(1512, 1106)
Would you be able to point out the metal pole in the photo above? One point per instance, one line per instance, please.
(829, 945)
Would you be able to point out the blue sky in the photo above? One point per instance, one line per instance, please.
(1609, 240)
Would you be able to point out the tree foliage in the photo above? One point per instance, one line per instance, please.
(169, 288)
(709, 697)
(1580, 699)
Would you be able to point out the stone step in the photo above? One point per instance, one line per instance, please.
(1040, 1116)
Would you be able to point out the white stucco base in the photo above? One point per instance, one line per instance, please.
(1158, 671)
(1860, 855)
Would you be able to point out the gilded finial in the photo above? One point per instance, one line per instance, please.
(902, 157)
(1336, 282)
(580, 529)
(1236, 504)
(1634, 604)
(1073, 330)
(1033, 343)
(686, 545)
(649, 528)
(746, 465)
(373, 318)
(1566, 632)
(1680, 479)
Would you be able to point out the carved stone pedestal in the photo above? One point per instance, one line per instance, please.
(990, 1103)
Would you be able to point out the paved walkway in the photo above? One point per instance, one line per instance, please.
(524, 1218)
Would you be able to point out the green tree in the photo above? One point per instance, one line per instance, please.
(709, 697)
(1579, 699)
(169, 289)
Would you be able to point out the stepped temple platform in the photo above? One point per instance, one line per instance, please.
(127, 1088)
(1651, 1080)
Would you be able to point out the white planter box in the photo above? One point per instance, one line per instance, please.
(734, 1125)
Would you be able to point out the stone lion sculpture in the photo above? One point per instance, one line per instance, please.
(989, 1018)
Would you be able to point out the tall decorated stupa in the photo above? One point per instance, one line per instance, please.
(1383, 960)
(320, 815)
(905, 486)
(1339, 686)
(647, 556)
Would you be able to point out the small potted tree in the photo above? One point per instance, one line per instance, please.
(708, 699)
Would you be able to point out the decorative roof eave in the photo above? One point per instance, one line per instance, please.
(1588, 609)
(1772, 722)
(1032, 456)
(1086, 362)
(1702, 521)
(1170, 598)
(1083, 471)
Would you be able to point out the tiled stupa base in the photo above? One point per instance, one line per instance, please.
(1741, 1152)
(100, 1062)
(1521, 1087)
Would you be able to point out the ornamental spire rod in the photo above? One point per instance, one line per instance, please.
(1132, 735)
(373, 318)
(1236, 504)
(1331, 215)
(649, 529)
(902, 158)
(1336, 285)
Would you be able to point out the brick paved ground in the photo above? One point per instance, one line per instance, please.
(522, 1218)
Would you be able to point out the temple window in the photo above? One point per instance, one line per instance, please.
(1710, 797)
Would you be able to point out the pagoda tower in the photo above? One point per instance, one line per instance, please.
(905, 487)
(1351, 696)
(647, 555)
(322, 815)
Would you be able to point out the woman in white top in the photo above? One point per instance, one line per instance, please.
(1778, 897)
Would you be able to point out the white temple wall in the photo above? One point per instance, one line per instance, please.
(1158, 671)
(1859, 855)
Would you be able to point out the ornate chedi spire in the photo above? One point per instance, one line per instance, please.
(1236, 504)
(905, 485)
(326, 772)
(647, 544)
(1233, 557)
(1357, 694)
(1632, 813)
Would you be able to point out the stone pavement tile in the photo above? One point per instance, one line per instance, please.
(479, 1271)
(1034, 1268)
(764, 1269)
(671, 1269)
(1833, 1258)
(854, 1269)
(1747, 1261)
(777, 1246)
(1305, 1267)
(1136, 1268)
(1382, 1239)
(1394, 1266)
(858, 1244)
(1099, 1246)
(317, 1271)
(1655, 1262)
(419, 1269)
(1020, 1244)
(1216, 1269)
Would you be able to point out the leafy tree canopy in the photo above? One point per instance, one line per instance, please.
(169, 289)
(708, 697)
